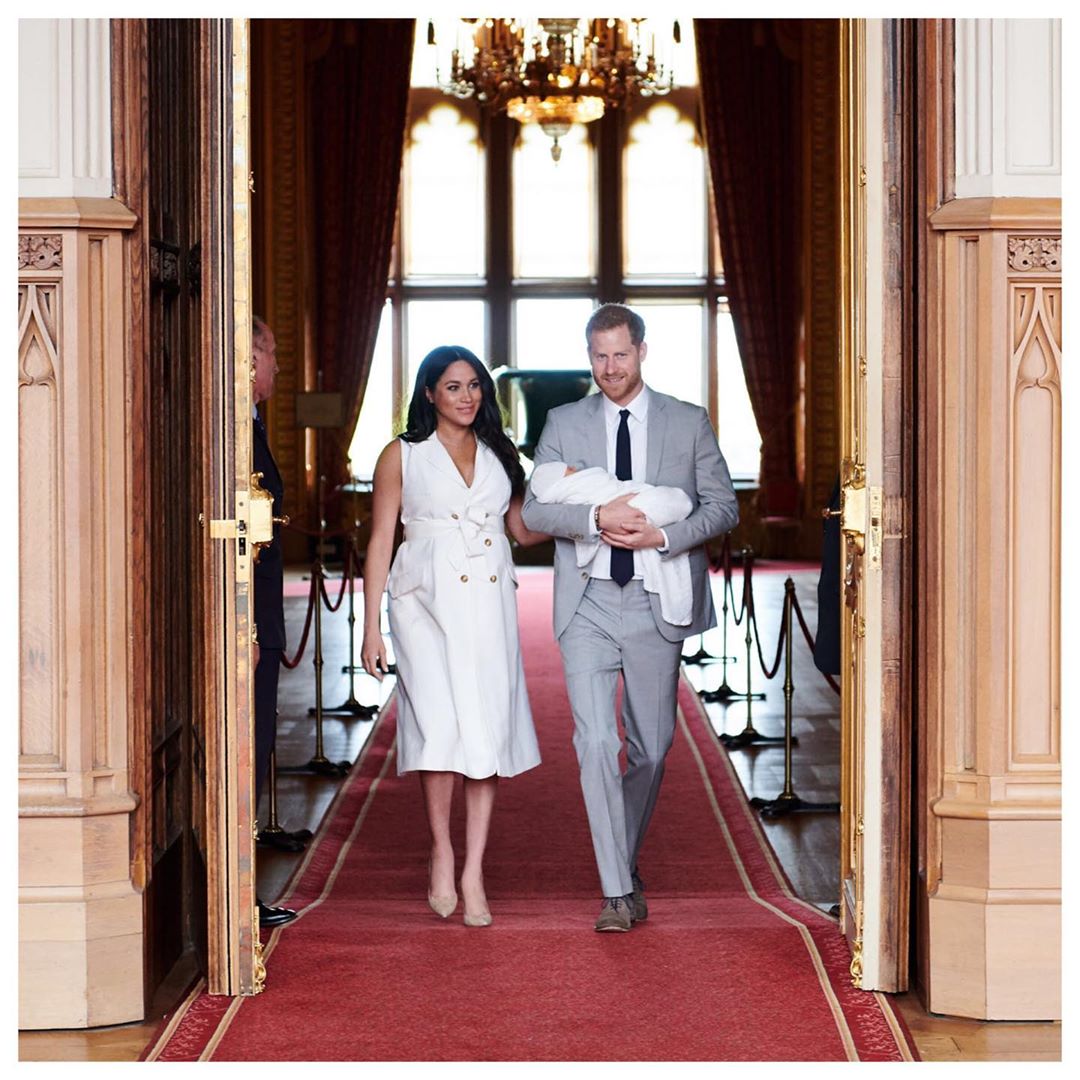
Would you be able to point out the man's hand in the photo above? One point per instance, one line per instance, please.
(618, 514)
(635, 536)
(254, 655)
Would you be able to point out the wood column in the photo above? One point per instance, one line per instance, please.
(991, 512)
(80, 911)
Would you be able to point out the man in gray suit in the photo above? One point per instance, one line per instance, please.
(605, 621)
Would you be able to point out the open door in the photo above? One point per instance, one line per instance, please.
(234, 951)
(875, 775)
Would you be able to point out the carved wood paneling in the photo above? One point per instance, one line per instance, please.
(103, 457)
(40, 527)
(1036, 253)
(934, 184)
(130, 134)
(40, 252)
(1035, 313)
(993, 523)
(961, 671)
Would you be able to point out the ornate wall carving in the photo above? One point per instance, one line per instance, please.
(1035, 315)
(40, 525)
(1035, 253)
(40, 252)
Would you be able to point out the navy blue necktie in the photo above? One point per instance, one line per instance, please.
(622, 560)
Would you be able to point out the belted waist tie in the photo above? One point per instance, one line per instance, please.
(476, 527)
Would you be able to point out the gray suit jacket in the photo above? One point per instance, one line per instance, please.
(682, 453)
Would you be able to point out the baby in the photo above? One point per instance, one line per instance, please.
(557, 482)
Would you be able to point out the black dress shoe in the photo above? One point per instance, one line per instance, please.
(274, 916)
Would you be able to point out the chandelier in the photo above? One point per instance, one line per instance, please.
(555, 72)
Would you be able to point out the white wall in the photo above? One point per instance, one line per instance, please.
(1008, 108)
(65, 133)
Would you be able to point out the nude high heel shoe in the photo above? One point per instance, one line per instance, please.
(443, 906)
(483, 918)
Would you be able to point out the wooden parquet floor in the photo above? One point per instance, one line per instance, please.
(807, 844)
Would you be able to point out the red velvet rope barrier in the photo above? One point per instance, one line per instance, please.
(290, 664)
(729, 587)
(769, 673)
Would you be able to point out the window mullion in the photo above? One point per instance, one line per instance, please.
(609, 189)
(500, 131)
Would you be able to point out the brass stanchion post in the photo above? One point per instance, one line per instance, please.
(350, 706)
(724, 693)
(274, 835)
(352, 668)
(787, 802)
(749, 734)
(320, 763)
(703, 656)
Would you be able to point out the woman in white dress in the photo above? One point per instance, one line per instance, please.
(456, 482)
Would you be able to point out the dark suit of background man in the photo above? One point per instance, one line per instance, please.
(269, 578)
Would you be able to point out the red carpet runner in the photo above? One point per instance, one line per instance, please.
(728, 967)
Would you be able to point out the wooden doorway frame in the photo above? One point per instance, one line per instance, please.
(233, 964)
(878, 436)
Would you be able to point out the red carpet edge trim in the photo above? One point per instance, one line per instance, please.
(752, 820)
(169, 1023)
(868, 1024)
(199, 1024)
(843, 1030)
(879, 1033)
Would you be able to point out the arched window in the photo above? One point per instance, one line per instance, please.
(665, 213)
(443, 169)
(506, 252)
(554, 205)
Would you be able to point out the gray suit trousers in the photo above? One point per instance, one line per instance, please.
(614, 630)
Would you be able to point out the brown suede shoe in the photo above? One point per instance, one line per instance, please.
(615, 914)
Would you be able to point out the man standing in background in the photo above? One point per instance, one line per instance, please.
(269, 584)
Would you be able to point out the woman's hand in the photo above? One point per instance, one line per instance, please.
(373, 654)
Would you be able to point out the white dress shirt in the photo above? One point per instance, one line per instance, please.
(637, 422)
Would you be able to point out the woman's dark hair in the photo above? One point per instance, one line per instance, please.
(488, 422)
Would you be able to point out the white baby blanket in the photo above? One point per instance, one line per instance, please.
(670, 578)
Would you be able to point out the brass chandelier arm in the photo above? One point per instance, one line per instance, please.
(555, 72)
